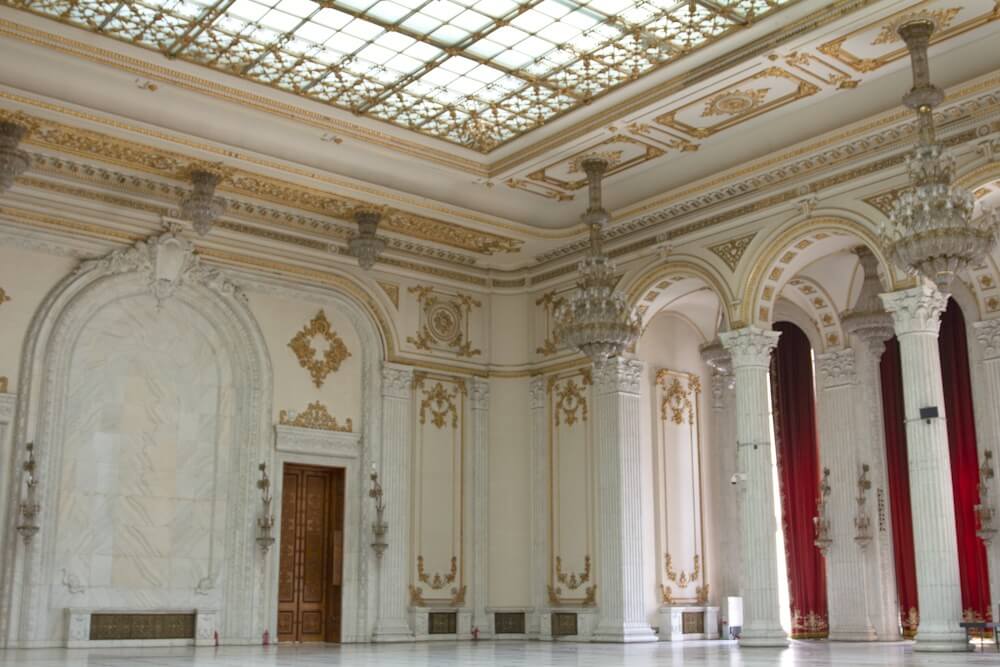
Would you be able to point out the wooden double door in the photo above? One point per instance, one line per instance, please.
(312, 554)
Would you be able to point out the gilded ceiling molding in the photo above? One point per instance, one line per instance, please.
(731, 251)
(319, 365)
(315, 416)
(86, 143)
(444, 321)
(884, 201)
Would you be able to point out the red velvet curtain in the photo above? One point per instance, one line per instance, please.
(793, 396)
(972, 563)
(898, 470)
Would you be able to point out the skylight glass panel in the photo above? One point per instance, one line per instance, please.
(511, 64)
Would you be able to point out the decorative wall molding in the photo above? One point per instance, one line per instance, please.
(315, 416)
(319, 366)
(444, 321)
(731, 251)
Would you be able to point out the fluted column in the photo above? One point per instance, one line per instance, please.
(751, 349)
(879, 561)
(620, 590)
(847, 590)
(397, 423)
(479, 395)
(916, 316)
(988, 336)
(539, 506)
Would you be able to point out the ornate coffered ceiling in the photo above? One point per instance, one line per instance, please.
(478, 73)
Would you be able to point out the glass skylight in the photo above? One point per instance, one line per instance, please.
(475, 72)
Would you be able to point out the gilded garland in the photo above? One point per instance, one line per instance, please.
(319, 365)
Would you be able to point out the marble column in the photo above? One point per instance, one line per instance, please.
(916, 316)
(479, 402)
(621, 588)
(879, 561)
(751, 349)
(847, 589)
(539, 507)
(392, 623)
(988, 336)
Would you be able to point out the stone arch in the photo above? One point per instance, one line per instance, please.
(165, 268)
(984, 279)
(663, 282)
(793, 246)
(814, 300)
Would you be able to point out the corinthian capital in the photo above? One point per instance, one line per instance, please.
(988, 335)
(618, 376)
(836, 369)
(479, 393)
(397, 381)
(750, 346)
(916, 310)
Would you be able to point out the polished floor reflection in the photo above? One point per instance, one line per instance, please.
(506, 653)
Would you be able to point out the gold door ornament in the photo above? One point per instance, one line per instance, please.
(319, 366)
(316, 416)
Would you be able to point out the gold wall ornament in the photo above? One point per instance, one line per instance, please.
(437, 581)
(4, 297)
(440, 403)
(573, 581)
(391, 290)
(731, 251)
(549, 302)
(683, 579)
(329, 361)
(666, 595)
(734, 102)
(457, 596)
(677, 404)
(556, 599)
(4, 382)
(315, 416)
(701, 594)
(444, 321)
(570, 400)
(417, 596)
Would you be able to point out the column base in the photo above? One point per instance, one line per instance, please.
(853, 635)
(941, 638)
(624, 634)
(773, 637)
(393, 631)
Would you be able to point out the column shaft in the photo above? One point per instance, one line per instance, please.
(479, 391)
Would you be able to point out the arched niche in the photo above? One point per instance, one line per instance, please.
(661, 286)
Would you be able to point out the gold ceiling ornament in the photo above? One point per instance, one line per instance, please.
(440, 403)
(731, 251)
(315, 416)
(319, 365)
(573, 581)
(444, 321)
(942, 19)
(613, 158)
(437, 581)
(734, 102)
(932, 230)
(569, 399)
(683, 579)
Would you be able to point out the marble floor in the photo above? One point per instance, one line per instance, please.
(502, 653)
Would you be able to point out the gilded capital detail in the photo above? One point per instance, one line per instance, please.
(750, 346)
(916, 310)
(836, 369)
(618, 376)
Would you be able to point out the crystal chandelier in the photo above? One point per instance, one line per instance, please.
(366, 246)
(201, 206)
(13, 161)
(931, 231)
(596, 319)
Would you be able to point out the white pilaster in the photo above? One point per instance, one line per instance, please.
(479, 395)
(392, 624)
(988, 336)
(917, 318)
(539, 507)
(751, 349)
(879, 561)
(847, 589)
(619, 508)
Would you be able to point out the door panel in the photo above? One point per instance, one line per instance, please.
(311, 560)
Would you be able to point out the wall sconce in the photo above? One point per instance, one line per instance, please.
(863, 520)
(265, 522)
(821, 522)
(985, 511)
(29, 508)
(380, 527)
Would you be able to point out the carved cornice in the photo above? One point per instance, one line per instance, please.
(916, 310)
(294, 439)
(988, 335)
(836, 369)
(750, 346)
(618, 375)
